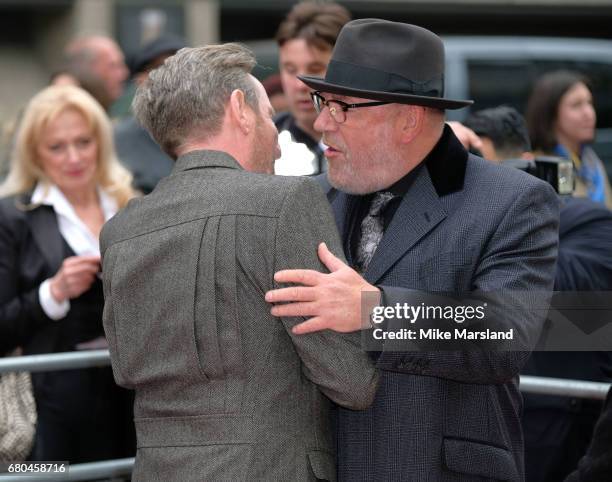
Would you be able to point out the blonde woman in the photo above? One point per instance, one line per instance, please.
(64, 184)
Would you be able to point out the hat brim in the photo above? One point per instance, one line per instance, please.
(318, 83)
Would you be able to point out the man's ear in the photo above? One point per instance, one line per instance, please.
(240, 112)
(411, 119)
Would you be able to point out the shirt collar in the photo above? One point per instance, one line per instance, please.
(50, 195)
(108, 204)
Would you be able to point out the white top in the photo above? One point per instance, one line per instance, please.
(74, 231)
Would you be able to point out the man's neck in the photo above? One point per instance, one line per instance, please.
(218, 143)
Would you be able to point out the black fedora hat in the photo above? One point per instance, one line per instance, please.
(387, 61)
(164, 44)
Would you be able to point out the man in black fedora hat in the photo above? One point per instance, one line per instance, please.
(418, 214)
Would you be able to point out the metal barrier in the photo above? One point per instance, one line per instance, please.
(96, 358)
(55, 361)
(107, 469)
(123, 467)
(564, 388)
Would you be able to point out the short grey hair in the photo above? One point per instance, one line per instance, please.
(186, 96)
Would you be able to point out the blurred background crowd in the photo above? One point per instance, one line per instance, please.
(68, 72)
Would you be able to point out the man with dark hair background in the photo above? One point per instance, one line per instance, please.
(503, 133)
(305, 39)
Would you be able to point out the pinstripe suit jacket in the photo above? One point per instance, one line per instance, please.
(224, 391)
(464, 225)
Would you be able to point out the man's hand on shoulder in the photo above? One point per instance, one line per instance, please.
(331, 300)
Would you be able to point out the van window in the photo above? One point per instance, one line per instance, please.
(493, 82)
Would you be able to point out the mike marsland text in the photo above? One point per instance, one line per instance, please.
(438, 334)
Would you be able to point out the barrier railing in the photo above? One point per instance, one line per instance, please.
(105, 470)
(96, 358)
(563, 387)
(109, 469)
(55, 361)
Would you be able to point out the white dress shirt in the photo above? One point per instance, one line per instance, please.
(74, 231)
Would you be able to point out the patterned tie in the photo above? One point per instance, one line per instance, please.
(372, 230)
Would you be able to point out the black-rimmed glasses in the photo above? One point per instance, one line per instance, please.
(337, 108)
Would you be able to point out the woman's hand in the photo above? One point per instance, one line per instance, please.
(75, 276)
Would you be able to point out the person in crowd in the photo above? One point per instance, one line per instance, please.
(596, 465)
(8, 131)
(228, 393)
(64, 183)
(558, 429)
(305, 39)
(418, 214)
(137, 151)
(503, 134)
(561, 121)
(98, 65)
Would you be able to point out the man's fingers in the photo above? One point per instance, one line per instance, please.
(293, 293)
(329, 259)
(83, 279)
(306, 277)
(78, 263)
(84, 258)
(81, 269)
(309, 326)
(294, 309)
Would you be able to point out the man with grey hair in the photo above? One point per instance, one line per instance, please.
(223, 390)
(98, 65)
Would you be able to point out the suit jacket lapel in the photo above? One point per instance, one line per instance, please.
(419, 212)
(45, 231)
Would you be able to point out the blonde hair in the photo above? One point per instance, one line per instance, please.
(43, 108)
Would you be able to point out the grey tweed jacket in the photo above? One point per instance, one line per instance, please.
(224, 391)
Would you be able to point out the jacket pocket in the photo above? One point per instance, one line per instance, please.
(198, 463)
(479, 459)
(323, 465)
